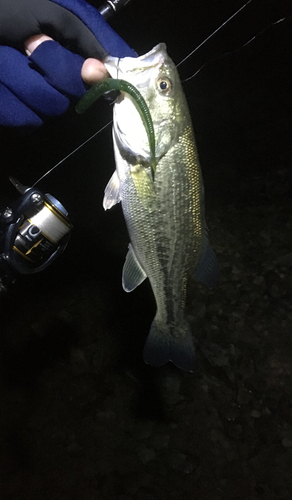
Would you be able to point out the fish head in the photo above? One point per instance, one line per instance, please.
(155, 76)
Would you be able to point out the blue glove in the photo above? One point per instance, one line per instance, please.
(42, 85)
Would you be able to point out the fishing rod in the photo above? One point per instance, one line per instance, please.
(111, 7)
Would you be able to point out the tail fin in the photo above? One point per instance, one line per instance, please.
(170, 343)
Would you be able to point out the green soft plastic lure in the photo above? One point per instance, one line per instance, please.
(116, 84)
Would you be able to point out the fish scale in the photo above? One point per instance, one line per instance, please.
(165, 214)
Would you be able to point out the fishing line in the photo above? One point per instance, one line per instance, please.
(232, 51)
(214, 32)
(189, 78)
(72, 153)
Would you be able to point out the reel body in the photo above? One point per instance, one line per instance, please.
(34, 231)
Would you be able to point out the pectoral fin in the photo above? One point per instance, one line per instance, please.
(207, 270)
(111, 192)
(133, 273)
(143, 183)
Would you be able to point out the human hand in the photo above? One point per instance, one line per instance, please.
(42, 52)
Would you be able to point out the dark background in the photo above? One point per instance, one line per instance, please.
(77, 400)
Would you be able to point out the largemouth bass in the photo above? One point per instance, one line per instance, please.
(163, 210)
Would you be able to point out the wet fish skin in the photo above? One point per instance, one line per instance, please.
(165, 215)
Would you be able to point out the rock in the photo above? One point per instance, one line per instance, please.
(170, 386)
(285, 260)
(144, 430)
(255, 414)
(89, 470)
(159, 441)
(146, 454)
(258, 280)
(105, 414)
(179, 462)
(287, 443)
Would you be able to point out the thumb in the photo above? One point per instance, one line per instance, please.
(93, 71)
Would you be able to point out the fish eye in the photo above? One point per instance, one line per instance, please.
(164, 85)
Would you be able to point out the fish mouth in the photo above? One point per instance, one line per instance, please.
(154, 57)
